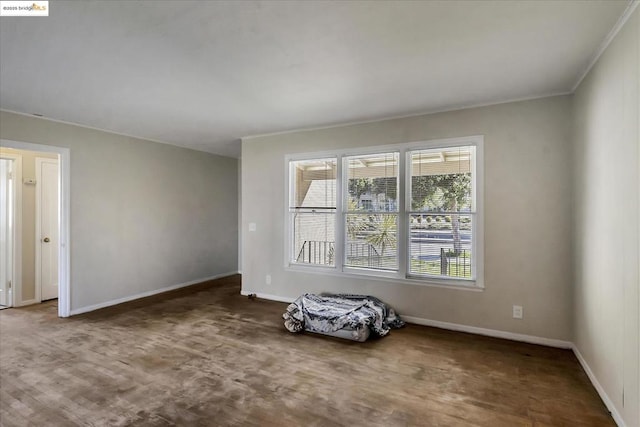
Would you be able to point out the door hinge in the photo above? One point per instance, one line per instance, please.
(9, 284)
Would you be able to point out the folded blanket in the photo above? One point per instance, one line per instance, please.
(329, 313)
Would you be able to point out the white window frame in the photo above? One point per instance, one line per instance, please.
(289, 243)
(402, 275)
(343, 211)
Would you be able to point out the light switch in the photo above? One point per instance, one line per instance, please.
(252, 226)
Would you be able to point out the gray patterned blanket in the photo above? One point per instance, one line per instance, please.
(329, 313)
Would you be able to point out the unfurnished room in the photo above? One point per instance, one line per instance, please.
(320, 213)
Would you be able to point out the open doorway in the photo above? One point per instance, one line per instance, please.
(29, 198)
(35, 224)
(9, 168)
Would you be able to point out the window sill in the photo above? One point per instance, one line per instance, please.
(387, 276)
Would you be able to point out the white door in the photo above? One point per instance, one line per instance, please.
(6, 232)
(47, 227)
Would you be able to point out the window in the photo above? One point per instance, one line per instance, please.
(312, 211)
(441, 212)
(371, 211)
(409, 212)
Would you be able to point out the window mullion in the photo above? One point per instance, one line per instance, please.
(340, 214)
(403, 237)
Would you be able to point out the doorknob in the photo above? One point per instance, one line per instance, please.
(46, 240)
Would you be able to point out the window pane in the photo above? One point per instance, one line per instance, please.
(441, 180)
(314, 237)
(314, 183)
(372, 241)
(440, 245)
(372, 183)
(312, 207)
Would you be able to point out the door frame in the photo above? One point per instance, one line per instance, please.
(16, 232)
(38, 259)
(64, 211)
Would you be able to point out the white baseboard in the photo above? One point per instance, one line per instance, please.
(268, 296)
(531, 339)
(28, 302)
(98, 306)
(603, 394)
(450, 326)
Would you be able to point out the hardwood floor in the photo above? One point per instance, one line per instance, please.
(207, 356)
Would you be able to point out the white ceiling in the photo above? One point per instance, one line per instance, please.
(203, 74)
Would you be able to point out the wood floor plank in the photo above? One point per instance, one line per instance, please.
(207, 356)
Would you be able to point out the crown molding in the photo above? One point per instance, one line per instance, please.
(607, 41)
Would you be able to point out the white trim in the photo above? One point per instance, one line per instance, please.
(288, 229)
(603, 394)
(402, 274)
(478, 227)
(448, 109)
(28, 302)
(268, 296)
(17, 235)
(614, 31)
(382, 148)
(621, 21)
(404, 202)
(239, 260)
(378, 275)
(38, 225)
(607, 41)
(531, 339)
(113, 132)
(339, 228)
(289, 193)
(64, 213)
(16, 279)
(128, 298)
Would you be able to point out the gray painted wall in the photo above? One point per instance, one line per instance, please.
(144, 216)
(607, 220)
(527, 216)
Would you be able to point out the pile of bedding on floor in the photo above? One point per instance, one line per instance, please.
(330, 314)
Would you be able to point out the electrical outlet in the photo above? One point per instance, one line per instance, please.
(517, 312)
(268, 279)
